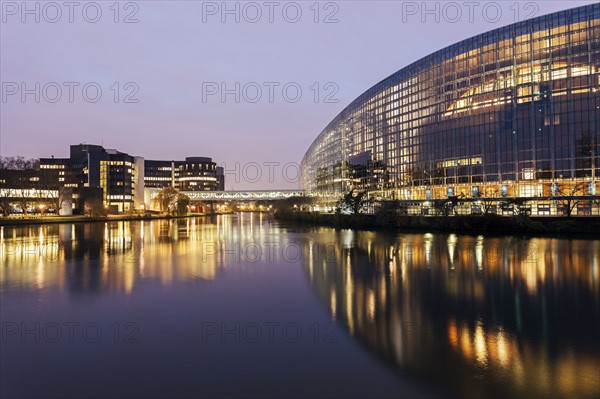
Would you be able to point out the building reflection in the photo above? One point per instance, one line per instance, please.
(115, 256)
(481, 315)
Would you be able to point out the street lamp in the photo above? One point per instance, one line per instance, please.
(42, 206)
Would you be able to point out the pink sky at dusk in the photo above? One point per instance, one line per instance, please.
(178, 50)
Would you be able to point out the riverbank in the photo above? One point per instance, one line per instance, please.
(474, 224)
(33, 220)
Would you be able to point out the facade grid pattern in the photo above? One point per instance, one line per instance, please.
(512, 112)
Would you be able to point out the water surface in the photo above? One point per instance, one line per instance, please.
(241, 306)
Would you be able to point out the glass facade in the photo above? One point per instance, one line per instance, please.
(510, 112)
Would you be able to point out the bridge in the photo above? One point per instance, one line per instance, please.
(260, 195)
(150, 195)
(255, 195)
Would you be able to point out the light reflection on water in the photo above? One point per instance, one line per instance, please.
(484, 315)
(473, 315)
(192, 248)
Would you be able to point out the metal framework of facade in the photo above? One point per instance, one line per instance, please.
(261, 195)
(512, 112)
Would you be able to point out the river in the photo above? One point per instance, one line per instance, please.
(244, 306)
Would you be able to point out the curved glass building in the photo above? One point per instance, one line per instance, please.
(509, 113)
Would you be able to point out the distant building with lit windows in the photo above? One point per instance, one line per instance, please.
(93, 166)
(510, 113)
(160, 174)
(193, 174)
(198, 174)
(122, 178)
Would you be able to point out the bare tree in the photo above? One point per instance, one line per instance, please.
(445, 206)
(488, 200)
(180, 204)
(518, 205)
(22, 199)
(43, 198)
(18, 163)
(172, 201)
(53, 194)
(354, 203)
(305, 202)
(568, 197)
(5, 200)
(64, 196)
(166, 197)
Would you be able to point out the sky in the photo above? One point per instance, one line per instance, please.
(249, 84)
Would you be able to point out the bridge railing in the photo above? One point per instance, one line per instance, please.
(249, 195)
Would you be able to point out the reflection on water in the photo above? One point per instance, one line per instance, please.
(483, 315)
(472, 315)
(112, 256)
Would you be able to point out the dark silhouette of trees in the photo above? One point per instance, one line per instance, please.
(445, 206)
(354, 203)
(172, 201)
(489, 200)
(166, 197)
(568, 197)
(181, 203)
